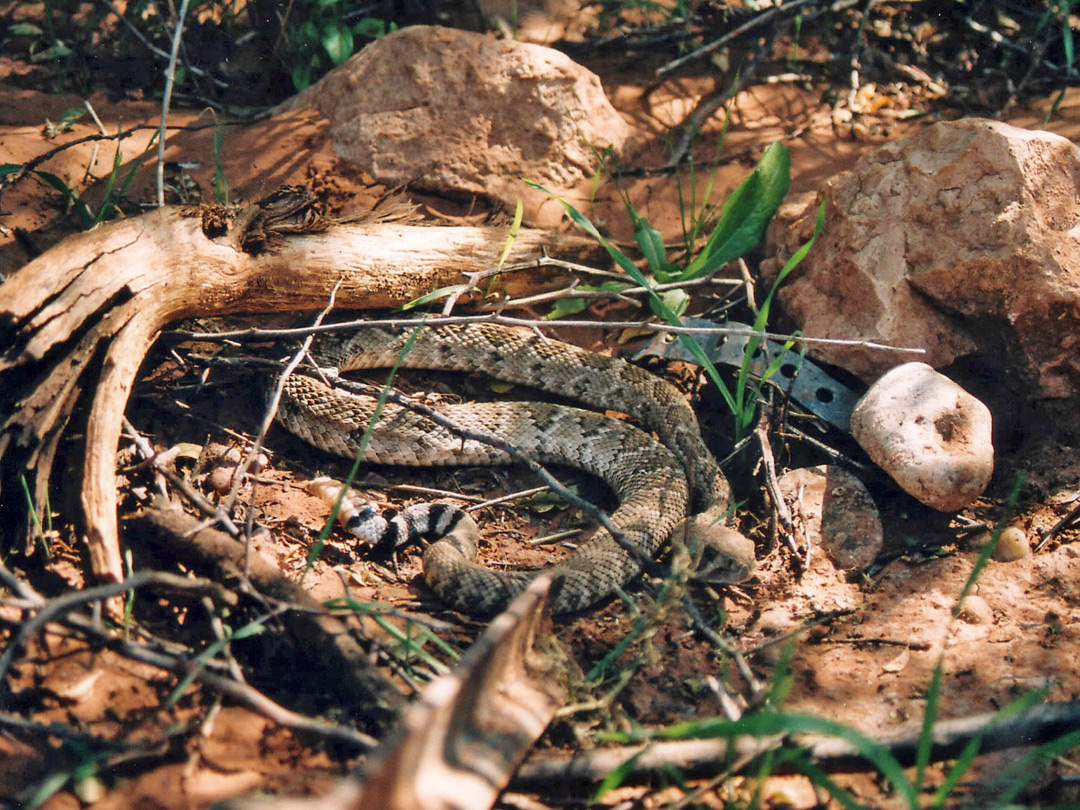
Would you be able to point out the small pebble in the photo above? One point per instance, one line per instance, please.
(976, 610)
(259, 463)
(220, 479)
(929, 434)
(1012, 545)
(233, 455)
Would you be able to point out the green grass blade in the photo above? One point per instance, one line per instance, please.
(203, 658)
(380, 404)
(823, 781)
(655, 301)
(515, 227)
(82, 211)
(107, 200)
(616, 777)
(971, 750)
(768, 724)
(1017, 775)
(926, 734)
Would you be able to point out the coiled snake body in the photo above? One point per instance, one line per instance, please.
(657, 483)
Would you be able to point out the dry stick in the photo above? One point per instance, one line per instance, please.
(704, 110)
(239, 691)
(61, 604)
(20, 588)
(275, 401)
(724, 645)
(705, 50)
(1052, 532)
(506, 320)
(216, 513)
(324, 638)
(166, 99)
(703, 757)
(599, 515)
(780, 507)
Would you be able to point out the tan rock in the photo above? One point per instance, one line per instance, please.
(976, 610)
(961, 239)
(461, 113)
(836, 512)
(1012, 545)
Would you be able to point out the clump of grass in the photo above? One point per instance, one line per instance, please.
(744, 215)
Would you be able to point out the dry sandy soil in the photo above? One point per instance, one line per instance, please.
(872, 641)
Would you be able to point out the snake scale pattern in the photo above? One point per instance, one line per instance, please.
(658, 483)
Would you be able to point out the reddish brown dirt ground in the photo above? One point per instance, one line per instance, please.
(869, 667)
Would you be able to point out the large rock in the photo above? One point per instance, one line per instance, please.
(462, 113)
(960, 240)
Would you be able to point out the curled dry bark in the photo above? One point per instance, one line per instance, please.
(81, 318)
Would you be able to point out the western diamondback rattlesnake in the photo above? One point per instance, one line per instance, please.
(658, 483)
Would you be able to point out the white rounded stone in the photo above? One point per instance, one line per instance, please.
(929, 434)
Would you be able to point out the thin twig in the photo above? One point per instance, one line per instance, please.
(243, 693)
(61, 604)
(275, 401)
(166, 99)
(735, 33)
(780, 507)
(506, 320)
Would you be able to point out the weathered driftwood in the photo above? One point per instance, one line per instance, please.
(81, 318)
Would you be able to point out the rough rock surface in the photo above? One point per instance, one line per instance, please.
(961, 240)
(462, 113)
(929, 434)
(836, 512)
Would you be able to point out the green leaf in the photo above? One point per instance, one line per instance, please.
(300, 73)
(9, 168)
(676, 300)
(370, 27)
(82, 211)
(652, 245)
(72, 114)
(746, 212)
(25, 29)
(572, 306)
(434, 295)
(338, 42)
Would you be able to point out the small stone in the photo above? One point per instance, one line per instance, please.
(929, 434)
(837, 513)
(232, 455)
(976, 610)
(259, 463)
(1012, 545)
(220, 479)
